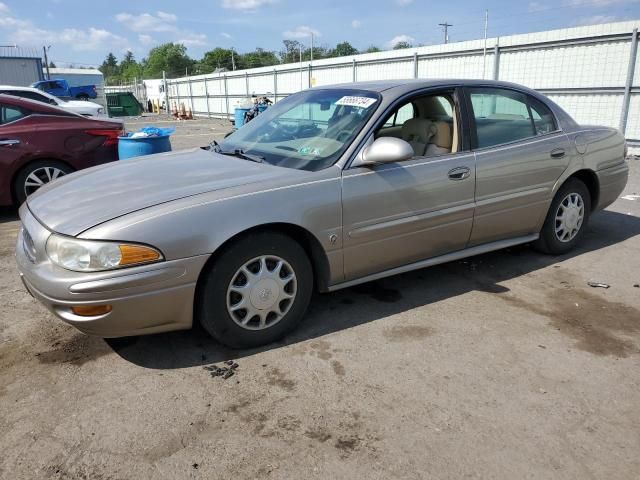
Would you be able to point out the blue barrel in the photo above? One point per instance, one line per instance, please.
(136, 147)
(239, 116)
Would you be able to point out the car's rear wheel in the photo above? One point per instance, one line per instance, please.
(83, 97)
(566, 220)
(35, 175)
(256, 291)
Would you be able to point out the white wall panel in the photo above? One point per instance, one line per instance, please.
(590, 109)
(333, 75)
(384, 71)
(594, 64)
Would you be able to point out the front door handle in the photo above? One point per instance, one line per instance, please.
(8, 143)
(459, 173)
(557, 153)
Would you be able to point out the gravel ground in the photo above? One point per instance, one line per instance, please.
(505, 365)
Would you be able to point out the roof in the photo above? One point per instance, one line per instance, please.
(74, 71)
(416, 83)
(23, 89)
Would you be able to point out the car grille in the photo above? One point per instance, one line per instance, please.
(28, 246)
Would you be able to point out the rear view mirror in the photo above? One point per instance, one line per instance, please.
(385, 150)
(324, 106)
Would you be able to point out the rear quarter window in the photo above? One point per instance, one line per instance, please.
(505, 116)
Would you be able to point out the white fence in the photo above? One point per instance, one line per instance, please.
(590, 71)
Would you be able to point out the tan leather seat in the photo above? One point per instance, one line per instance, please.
(418, 132)
(441, 142)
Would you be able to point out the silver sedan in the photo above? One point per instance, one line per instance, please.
(329, 188)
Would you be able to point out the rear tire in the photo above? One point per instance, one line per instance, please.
(256, 291)
(83, 97)
(36, 174)
(567, 219)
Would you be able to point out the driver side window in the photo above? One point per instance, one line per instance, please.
(428, 123)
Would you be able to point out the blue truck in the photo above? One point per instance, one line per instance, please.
(60, 88)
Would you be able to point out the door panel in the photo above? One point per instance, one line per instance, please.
(514, 186)
(400, 213)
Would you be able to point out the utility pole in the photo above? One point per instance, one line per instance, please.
(446, 31)
(312, 46)
(233, 60)
(46, 60)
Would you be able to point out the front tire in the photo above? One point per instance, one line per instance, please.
(256, 291)
(566, 220)
(35, 175)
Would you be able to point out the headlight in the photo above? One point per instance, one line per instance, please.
(95, 256)
(100, 111)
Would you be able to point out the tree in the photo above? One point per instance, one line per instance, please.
(52, 65)
(169, 57)
(372, 49)
(129, 68)
(218, 58)
(291, 51)
(258, 58)
(344, 49)
(401, 45)
(110, 69)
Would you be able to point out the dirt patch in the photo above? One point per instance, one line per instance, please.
(338, 368)
(321, 349)
(276, 378)
(318, 434)
(401, 333)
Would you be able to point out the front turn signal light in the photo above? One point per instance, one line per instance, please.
(91, 310)
(134, 254)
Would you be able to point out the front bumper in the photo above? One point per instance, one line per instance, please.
(147, 299)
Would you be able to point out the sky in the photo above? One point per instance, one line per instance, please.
(82, 32)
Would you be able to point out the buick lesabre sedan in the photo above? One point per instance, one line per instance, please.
(331, 187)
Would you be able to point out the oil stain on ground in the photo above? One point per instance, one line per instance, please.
(76, 350)
(401, 333)
(596, 324)
(276, 378)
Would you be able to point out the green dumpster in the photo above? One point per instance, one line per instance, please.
(123, 104)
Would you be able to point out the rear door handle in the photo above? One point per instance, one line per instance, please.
(9, 142)
(557, 153)
(459, 173)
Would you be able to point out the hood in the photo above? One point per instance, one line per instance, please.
(89, 197)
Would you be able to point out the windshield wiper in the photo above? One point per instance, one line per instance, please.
(239, 153)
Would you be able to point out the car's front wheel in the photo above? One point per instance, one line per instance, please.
(566, 220)
(256, 291)
(35, 175)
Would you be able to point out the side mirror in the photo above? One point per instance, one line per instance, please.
(385, 150)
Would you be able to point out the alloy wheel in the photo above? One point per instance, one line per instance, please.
(39, 177)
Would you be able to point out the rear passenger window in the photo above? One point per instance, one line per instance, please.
(504, 116)
(10, 114)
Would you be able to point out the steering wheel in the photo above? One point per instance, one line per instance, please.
(343, 135)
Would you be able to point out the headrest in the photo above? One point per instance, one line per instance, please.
(442, 137)
(418, 130)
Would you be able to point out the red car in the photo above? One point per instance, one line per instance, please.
(41, 142)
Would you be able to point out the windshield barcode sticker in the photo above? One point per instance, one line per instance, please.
(362, 102)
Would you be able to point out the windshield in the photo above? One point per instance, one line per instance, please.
(308, 130)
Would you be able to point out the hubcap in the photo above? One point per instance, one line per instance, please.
(569, 217)
(40, 177)
(261, 292)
